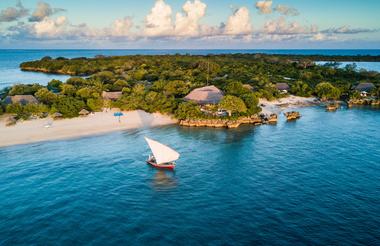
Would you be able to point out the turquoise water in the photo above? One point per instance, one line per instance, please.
(315, 181)
(369, 66)
(11, 59)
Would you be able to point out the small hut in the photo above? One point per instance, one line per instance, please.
(112, 96)
(84, 112)
(57, 115)
(364, 88)
(205, 95)
(21, 99)
(282, 87)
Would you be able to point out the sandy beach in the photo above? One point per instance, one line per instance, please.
(276, 106)
(99, 123)
(103, 122)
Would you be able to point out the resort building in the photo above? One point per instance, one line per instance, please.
(364, 88)
(21, 99)
(112, 96)
(205, 95)
(84, 112)
(282, 87)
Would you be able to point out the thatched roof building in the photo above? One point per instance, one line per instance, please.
(21, 99)
(282, 86)
(205, 95)
(84, 112)
(365, 87)
(113, 96)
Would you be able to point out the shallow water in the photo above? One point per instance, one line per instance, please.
(313, 181)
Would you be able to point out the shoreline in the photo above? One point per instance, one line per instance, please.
(33, 131)
(279, 105)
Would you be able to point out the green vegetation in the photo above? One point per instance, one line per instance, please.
(26, 111)
(188, 110)
(45, 96)
(68, 106)
(24, 89)
(159, 83)
(301, 89)
(327, 91)
(233, 105)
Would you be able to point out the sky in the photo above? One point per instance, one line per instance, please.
(190, 24)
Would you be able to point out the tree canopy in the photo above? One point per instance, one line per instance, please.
(159, 83)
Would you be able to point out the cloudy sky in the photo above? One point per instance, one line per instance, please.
(195, 24)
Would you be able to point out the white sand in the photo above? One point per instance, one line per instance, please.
(276, 106)
(99, 123)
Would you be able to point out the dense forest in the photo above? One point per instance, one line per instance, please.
(158, 83)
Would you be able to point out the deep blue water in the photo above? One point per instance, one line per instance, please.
(315, 181)
(10, 59)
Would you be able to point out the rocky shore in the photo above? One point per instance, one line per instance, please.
(44, 70)
(227, 123)
(279, 105)
(362, 102)
(332, 106)
(293, 115)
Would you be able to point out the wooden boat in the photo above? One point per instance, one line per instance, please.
(163, 156)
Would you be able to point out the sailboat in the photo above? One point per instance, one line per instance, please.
(163, 156)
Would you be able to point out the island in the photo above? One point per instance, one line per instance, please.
(196, 90)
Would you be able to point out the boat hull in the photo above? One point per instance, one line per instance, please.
(166, 166)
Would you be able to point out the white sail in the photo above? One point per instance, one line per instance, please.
(162, 153)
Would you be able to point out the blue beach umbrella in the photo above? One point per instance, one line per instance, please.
(118, 114)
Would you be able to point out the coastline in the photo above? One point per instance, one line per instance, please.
(33, 131)
(279, 105)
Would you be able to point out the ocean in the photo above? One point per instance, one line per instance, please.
(10, 60)
(310, 182)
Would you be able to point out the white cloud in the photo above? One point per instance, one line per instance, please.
(286, 10)
(121, 27)
(43, 10)
(264, 6)
(159, 21)
(281, 26)
(239, 23)
(187, 24)
(160, 25)
(61, 28)
(319, 37)
(51, 27)
(13, 13)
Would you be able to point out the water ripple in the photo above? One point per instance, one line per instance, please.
(314, 181)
